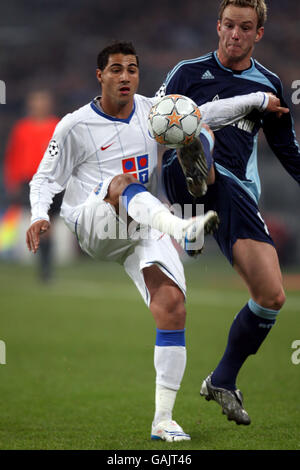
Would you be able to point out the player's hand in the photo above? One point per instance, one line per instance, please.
(34, 232)
(274, 106)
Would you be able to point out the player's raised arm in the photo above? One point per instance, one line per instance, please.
(220, 113)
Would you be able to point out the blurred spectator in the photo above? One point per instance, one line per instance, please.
(26, 145)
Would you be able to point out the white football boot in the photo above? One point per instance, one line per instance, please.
(193, 234)
(169, 431)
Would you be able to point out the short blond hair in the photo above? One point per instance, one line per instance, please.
(258, 5)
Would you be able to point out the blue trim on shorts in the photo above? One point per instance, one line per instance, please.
(170, 337)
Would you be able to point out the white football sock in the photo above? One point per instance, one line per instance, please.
(146, 209)
(169, 363)
(164, 403)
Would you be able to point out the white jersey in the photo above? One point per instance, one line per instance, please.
(86, 148)
(89, 146)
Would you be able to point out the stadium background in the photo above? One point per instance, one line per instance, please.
(54, 44)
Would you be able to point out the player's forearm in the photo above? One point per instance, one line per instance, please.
(42, 192)
(220, 113)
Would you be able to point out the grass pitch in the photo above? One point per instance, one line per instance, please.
(79, 363)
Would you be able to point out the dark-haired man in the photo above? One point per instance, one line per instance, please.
(242, 234)
(105, 159)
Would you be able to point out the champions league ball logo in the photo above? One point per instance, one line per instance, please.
(53, 148)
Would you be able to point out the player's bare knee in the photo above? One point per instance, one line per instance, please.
(170, 312)
(119, 183)
(273, 301)
(175, 312)
(117, 186)
(278, 301)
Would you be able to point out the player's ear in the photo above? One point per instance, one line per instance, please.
(99, 75)
(259, 34)
(218, 27)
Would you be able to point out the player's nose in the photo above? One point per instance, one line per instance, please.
(125, 76)
(235, 33)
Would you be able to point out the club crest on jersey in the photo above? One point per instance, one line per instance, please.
(98, 188)
(138, 167)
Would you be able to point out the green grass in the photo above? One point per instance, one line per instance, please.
(80, 375)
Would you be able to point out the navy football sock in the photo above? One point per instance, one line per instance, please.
(246, 334)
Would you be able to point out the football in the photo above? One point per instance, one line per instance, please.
(174, 121)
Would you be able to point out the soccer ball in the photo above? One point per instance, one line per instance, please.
(174, 121)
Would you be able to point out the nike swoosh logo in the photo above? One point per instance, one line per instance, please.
(106, 147)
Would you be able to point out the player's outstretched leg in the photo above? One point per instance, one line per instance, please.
(231, 401)
(197, 163)
(146, 209)
(193, 162)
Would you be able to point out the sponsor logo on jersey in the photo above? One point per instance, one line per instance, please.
(138, 167)
(207, 75)
(245, 125)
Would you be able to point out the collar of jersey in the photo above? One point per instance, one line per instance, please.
(111, 118)
(244, 72)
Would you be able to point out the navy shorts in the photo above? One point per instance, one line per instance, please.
(238, 212)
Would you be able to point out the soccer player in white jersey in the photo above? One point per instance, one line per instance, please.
(102, 152)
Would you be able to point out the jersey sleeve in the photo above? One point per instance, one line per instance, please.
(220, 113)
(281, 137)
(58, 163)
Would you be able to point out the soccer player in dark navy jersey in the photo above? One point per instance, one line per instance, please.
(242, 236)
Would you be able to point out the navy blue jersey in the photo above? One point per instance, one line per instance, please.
(235, 154)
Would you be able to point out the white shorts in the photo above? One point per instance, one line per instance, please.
(104, 236)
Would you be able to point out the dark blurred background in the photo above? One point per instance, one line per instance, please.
(54, 44)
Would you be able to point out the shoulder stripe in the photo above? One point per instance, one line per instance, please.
(265, 68)
(185, 62)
